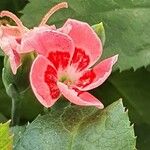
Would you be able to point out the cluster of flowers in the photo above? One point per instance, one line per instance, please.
(65, 58)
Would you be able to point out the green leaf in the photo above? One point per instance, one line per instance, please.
(134, 88)
(2, 118)
(12, 5)
(77, 128)
(143, 133)
(17, 131)
(5, 138)
(126, 24)
(30, 105)
(99, 29)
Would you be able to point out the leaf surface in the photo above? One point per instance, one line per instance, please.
(84, 128)
(126, 23)
(5, 137)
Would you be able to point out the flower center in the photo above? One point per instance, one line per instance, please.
(66, 80)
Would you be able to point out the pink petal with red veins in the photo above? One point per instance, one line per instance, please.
(56, 46)
(87, 43)
(83, 99)
(43, 79)
(96, 76)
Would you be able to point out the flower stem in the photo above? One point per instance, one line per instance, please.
(16, 104)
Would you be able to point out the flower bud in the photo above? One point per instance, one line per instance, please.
(100, 31)
(21, 80)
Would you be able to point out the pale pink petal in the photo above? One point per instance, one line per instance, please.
(9, 38)
(26, 44)
(9, 31)
(9, 46)
(82, 99)
(65, 29)
(15, 61)
(96, 76)
(43, 79)
(52, 27)
(87, 43)
(56, 46)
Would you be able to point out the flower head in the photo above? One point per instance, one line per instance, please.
(64, 65)
(11, 36)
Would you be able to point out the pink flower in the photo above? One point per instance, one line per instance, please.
(64, 65)
(11, 36)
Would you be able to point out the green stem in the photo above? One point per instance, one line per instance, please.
(16, 104)
(15, 112)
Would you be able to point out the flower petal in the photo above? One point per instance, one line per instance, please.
(26, 44)
(9, 36)
(87, 43)
(9, 31)
(96, 76)
(15, 61)
(43, 79)
(9, 46)
(56, 46)
(83, 99)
